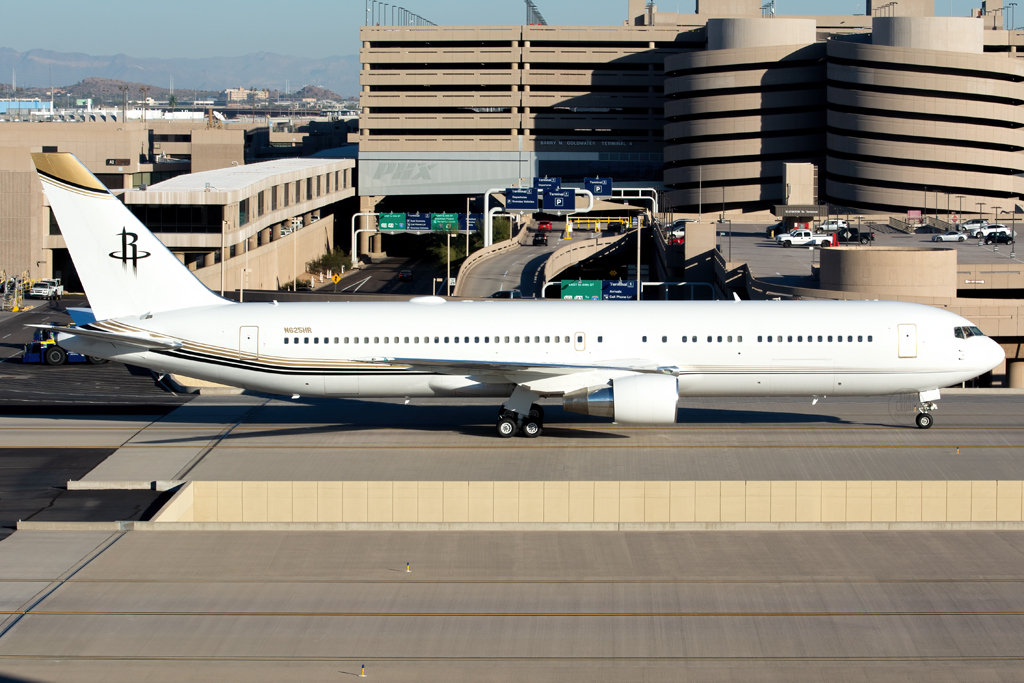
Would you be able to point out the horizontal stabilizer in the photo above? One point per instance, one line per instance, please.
(150, 343)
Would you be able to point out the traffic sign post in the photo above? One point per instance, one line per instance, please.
(336, 279)
(547, 184)
(559, 200)
(444, 222)
(599, 187)
(521, 198)
(391, 221)
(417, 222)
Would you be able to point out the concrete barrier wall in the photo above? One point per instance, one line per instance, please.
(593, 502)
(477, 257)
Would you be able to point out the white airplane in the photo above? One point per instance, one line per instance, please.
(630, 361)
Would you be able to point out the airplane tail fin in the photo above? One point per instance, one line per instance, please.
(124, 268)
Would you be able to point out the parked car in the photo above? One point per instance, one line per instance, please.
(540, 239)
(676, 241)
(544, 225)
(405, 276)
(999, 238)
(802, 238)
(507, 294)
(833, 224)
(984, 231)
(951, 236)
(973, 224)
(851, 236)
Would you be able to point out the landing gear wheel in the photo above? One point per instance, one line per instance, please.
(537, 412)
(507, 428)
(924, 420)
(96, 360)
(55, 356)
(532, 428)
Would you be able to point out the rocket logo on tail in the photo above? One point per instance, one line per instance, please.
(129, 251)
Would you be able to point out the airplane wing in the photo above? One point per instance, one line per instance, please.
(534, 370)
(150, 343)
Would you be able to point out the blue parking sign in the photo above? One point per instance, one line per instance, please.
(559, 200)
(599, 187)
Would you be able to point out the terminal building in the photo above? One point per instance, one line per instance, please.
(896, 109)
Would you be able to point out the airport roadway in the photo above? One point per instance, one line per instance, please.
(518, 268)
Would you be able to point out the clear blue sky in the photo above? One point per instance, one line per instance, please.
(311, 28)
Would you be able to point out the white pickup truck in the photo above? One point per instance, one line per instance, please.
(47, 289)
(802, 238)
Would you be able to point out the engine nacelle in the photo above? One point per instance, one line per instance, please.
(636, 399)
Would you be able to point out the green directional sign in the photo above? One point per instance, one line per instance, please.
(589, 290)
(444, 222)
(391, 221)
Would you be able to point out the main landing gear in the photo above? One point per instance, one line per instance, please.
(511, 423)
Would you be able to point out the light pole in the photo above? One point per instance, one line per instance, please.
(980, 204)
(144, 89)
(124, 101)
(960, 215)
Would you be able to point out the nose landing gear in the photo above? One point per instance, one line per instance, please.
(924, 419)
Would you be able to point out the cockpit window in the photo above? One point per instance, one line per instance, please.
(968, 332)
(958, 332)
(976, 332)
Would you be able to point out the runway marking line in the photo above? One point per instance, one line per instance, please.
(610, 658)
(772, 582)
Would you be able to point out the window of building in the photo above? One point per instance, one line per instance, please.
(317, 186)
(298, 191)
(243, 212)
(309, 188)
(273, 198)
(285, 194)
(336, 185)
(259, 204)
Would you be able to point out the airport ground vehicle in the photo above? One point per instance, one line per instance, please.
(47, 289)
(544, 225)
(540, 239)
(951, 236)
(802, 238)
(832, 224)
(44, 349)
(627, 360)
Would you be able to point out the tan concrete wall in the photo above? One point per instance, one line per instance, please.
(753, 32)
(953, 34)
(596, 501)
(23, 219)
(217, 148)
(273, 265)
(799, 179)
(890, 270)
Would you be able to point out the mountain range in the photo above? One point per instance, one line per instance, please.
(264, 70)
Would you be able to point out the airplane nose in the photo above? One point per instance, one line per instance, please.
(993, 354)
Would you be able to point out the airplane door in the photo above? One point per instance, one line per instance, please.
(248, 342)
(580, 340)
(908, 340)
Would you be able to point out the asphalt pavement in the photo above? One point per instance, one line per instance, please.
(517, 268)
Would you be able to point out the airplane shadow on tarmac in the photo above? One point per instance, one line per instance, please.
(345, 415)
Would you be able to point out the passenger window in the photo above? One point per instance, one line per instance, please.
(536, 340)
(335, 340)
(506, 340)
(456, 339)
(779, 339)
(739, 339)
(839, 338)
(769, 339)
(286, 340)
(799, 338)
(664, 340)
(557, 339)
(517, 340)
(436, 340)
(547, 340)
(819, 337)
(789, 338)
(316, 340)
(579, 340)
(643, 339)
(567, 339)
(476, 340)
(849, 338)
(366, 340)
(385, 340)
(860, 338)
(870, 338)
(526, 340)
(406, 340)
(487, 340)
(305, 340)
(830, 337)
(685, 339)
(600, 340)
(376, 340)
(719, 339)
(759, 340)
(709, 340)
(694, 339)
(295, 341)
(729, 339)
(466, 340)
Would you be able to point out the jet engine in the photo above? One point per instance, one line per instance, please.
(636, 399)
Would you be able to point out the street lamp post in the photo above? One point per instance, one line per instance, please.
(980, 205)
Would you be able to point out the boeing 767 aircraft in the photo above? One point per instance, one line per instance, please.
(629, 361)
